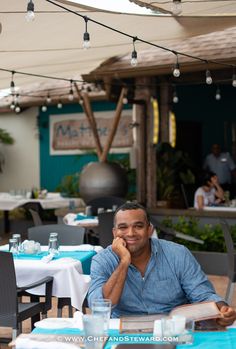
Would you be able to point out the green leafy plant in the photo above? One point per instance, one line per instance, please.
(5, 138)
(173, 167)
(212, 235)
(69, 185)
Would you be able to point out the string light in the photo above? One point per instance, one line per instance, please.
(218, 95)
(71, 93)
(175, 98)
(176, 7)
(234, 80)
(208, 77)
(86, 42)
(12, 84)
(17, 106)
(12, 105)
(59, 105)
(134, 56)
(48, 99)
(44, 108)
(176, 71)
(30, 11)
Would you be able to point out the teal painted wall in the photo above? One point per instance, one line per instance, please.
(54, 168)
(198, 103)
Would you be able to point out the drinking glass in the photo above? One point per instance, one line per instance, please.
(53, 246)
(18, 238)
(187, 337)
(102, 307)
(93, 331)
(88, 211)
(13, 246)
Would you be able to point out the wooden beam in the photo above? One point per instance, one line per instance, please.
(114, 125)
(91, 119)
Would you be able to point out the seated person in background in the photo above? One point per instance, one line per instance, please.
(143, 275)
(210, 193)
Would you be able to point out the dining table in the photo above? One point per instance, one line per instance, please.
(74, 335)
(70, 271)
(9, 202)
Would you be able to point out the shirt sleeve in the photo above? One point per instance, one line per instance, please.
(230, 162)
(194, 281)
(100, 272)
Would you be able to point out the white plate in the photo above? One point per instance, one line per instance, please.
(53, 323)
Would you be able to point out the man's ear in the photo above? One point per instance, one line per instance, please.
(150, 229)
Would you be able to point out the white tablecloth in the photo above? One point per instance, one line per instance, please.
(9, 202)
(68, 280)
(220, 208)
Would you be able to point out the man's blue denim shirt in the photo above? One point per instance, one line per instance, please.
(173, 277)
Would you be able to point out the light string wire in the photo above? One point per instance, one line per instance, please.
(139, 39)
(134, 38)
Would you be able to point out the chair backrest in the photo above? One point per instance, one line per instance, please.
(105, 202)
(8, 291)
(105, 220)
(67, 235)
(188, 191)
(231, 253)
(36, 217)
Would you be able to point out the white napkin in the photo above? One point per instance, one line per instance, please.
(70, 219)
(78, 317)
(48, 258)
(26, 343)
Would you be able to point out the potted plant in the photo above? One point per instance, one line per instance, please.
(5, 138)
(173, 168)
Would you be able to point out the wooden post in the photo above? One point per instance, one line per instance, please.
(91, 119)
(147, 164)
(114, 125)
(164, 111)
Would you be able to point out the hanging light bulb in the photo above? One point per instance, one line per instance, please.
(12, 85)
(86, 42)
(12, 106)
(176, 71)
(234, 80)
(48, 99)
(44, 108)
(134, 56)
(30, 11)
(125, 100)
(208, 77)
(71, 93)
(59, 105)
(218, 95)
(175, 98)
(176, 7)
(17, 108)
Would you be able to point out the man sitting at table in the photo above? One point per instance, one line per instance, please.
(144, 275)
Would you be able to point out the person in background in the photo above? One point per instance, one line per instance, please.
(210, 193)
(222, 164)
(143, 275)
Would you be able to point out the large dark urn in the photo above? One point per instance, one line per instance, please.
(99, 179)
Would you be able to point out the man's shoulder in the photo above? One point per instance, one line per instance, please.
(169, 246)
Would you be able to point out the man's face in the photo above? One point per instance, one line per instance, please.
(132, 226)
(215, 150)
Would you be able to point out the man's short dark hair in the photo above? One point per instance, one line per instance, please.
(131, 206)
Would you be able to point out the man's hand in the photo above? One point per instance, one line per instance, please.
(229, 316)
(119, 247)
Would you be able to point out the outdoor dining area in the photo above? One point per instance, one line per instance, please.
(117, 174)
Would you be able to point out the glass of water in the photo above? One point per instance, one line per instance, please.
(13, 246)
(53, 247)
(18, 238)
(93, 331)
(102, 307)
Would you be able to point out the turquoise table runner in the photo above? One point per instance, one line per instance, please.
(202, 340)
(85, 257)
